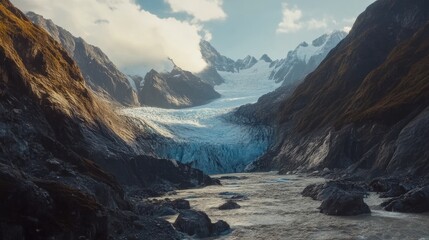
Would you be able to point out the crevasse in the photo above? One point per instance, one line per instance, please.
(204, 136)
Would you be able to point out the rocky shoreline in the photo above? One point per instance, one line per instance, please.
(344, 196)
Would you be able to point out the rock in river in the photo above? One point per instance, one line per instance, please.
(198, 224)
(229, 205)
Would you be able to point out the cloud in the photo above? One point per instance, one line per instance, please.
(207, 35)
(132, 37)
(317, 24)
(347, 29)
(200, 10)
(294, 20)
(290, 21)
(348, 24)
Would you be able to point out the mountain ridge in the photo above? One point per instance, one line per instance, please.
(359, 110)
(99, 72)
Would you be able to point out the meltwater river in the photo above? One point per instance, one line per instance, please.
(274, 209)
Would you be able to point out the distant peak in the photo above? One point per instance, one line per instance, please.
(303, 44)
(266, 58)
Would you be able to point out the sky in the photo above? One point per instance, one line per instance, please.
(251, 27)
(141, 34)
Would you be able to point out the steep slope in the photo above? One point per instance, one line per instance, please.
(266, 58)
(177, 89)
(366, 106)
(214, 58)
(245, 63)
(305, 58)
(52, 130)
(99, 72)
(210, 75)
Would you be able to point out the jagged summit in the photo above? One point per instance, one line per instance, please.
(99, 72)
(265, 58)
(305, 58)
(214, 58)
(245, 63)
(176, 89)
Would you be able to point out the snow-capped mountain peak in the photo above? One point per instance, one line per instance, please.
(319, 46)
(305, 58)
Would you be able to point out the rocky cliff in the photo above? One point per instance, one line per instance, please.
(365, 108)
(214, 58)
(177, 89)
(58, 144)
(99, 72)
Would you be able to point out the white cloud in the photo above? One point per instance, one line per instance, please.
(207, 35)
(348, 24)
(132, 37)
(291, 20)
(347, 29)
(317, 24)
(201, 10)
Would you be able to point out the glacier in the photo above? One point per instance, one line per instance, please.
(206, 136)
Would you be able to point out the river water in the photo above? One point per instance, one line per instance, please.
(275, 209)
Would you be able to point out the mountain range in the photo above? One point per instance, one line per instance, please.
(292, 69)
(365, 107)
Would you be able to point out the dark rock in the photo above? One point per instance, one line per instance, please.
(180, 204)
(414, 201)
(232, 178)
(210, 76)
(383, 184)
(323, 190)
(313, 191)
(177, 89)
(165, 211)
(229, 205)
(161, 208)
(194, 223)
(342, 203)
(339, 198)
(220, 228)
(392, 187)
(198, 224)
(233, 196)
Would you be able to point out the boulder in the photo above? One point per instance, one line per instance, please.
(220, 228)
(414, 201)
(229, 205)
(198, 224)
(180, 204)
(324, 190)
(342, 203)
(339, 198)
(194, 223)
